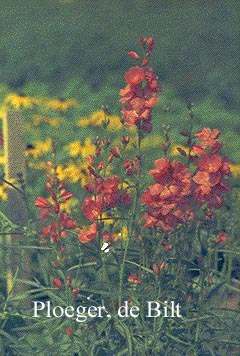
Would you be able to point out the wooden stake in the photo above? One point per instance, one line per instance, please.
(16, 209)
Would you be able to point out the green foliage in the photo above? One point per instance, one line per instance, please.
(55, 42)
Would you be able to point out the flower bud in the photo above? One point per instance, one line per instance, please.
(69, 331)
(57, 283)
(133, 55)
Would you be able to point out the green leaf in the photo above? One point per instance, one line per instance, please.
(126, 333)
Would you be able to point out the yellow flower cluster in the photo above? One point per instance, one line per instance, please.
(76, 148)
(60, 104)
(40, 148)
(52, 121)
(98, 118)
(18, 101)
(71, 205)
(73, 173)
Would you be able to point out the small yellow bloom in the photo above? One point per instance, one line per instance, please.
(175, 152)
(235, 169)
(2, 160)
(124, 233)
(107, 219)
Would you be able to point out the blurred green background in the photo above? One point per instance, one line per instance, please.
(78, 49)
(54, 41)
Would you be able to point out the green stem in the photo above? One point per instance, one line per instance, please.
(132, 223)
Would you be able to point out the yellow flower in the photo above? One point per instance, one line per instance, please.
(114, 123)
(75, 148)
(73, 173)
(124, 233)
(21, 100)
(175, 152)
(235, 169)
(84, 176)
(53, 121)
(2, 160)
(70, 205)
(60, 104)
(70, 173)
(107, 219)
(98, 118)
(40, 148)
(83, 121)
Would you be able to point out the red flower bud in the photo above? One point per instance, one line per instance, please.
(142, 41)
(221, 238)
(57, 283)
(65, 195)
(145, 62)
(42, 203)
(75, 292)
(68, 281)
(133, 55)
(133, 278)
